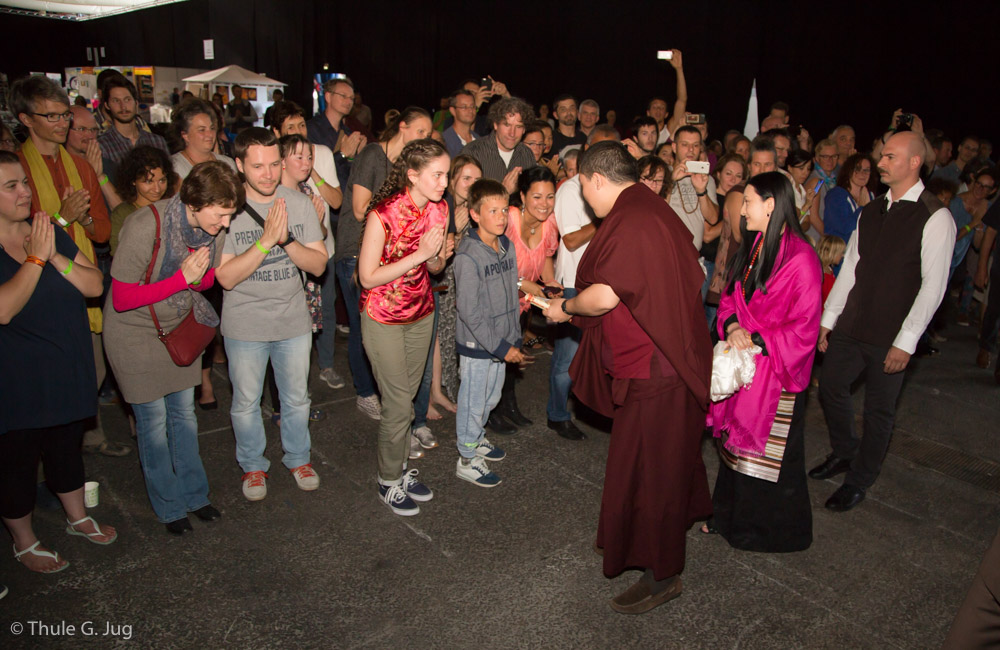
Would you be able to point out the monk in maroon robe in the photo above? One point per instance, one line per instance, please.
(645, 360)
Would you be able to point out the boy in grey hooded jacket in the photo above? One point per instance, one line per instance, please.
(488, 331)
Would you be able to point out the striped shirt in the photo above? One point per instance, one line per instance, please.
(115, 146)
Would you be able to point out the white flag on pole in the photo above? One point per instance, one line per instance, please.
(752, 127)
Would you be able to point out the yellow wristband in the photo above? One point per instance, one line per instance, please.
(69, 268)
(320, 183)
(261, 248)
(104, 179)
(62, 222)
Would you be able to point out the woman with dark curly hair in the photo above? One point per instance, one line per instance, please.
(145, 176)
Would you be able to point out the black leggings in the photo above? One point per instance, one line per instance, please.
(59, 449)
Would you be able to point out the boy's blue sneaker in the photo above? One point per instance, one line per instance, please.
(397, 499)
(414, 488)
(489, 451)
(477, 472)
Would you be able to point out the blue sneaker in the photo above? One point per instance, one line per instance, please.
(489, 451)
(477, 472)
(414, 488)
(398, 501)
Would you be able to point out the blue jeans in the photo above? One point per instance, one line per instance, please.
(423, 398)
(710, 310)
(247, 365)
(361, 373)
(478, 394)
(564, 349)
(326, 336)
(168, 450)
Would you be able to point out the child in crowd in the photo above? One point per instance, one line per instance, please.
(404, 239)
(831, 253)
(488, 331)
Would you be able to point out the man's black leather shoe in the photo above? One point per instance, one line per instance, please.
(179, 527)
(845, 498)
(567, 430)
(207, 513)
(830, 467)
(499, 424)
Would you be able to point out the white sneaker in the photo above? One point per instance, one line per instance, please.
(370, 406)
(305, 477)
(425, 437)
(255, 485)
(478, 472)
(416, 451)
(330, 377)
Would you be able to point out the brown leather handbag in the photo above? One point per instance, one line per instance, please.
(187, 341)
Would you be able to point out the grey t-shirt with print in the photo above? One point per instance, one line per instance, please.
(270, 304)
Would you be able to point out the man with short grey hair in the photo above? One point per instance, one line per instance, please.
(590, 115)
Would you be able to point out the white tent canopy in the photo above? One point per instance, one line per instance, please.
(79, 9)
(233, 74)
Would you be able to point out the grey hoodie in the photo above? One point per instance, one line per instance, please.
(486, 294)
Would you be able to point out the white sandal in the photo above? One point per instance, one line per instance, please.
(31, 549)
(90, 536)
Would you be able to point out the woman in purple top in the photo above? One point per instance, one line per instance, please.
(773, 299)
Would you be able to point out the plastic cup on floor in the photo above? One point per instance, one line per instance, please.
(90, 489)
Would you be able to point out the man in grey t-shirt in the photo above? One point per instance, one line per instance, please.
(264, 312)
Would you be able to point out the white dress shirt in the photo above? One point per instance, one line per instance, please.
(937, 245)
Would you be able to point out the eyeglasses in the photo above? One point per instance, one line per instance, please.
(465, 108)
(55, 117)
(655, 181)
(92, 130)
(863, 170)
(827, 156)
(534, 144)
(347, 97)
(988, 188)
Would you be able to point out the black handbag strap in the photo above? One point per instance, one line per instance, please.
(260, 222)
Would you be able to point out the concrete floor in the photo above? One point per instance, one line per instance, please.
(511, 567)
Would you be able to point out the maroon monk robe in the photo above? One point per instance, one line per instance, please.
(648, 365)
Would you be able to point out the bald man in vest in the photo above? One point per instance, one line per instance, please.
(893, 278)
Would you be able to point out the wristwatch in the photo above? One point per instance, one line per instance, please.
(566, 311)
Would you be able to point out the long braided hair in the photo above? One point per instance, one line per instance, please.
(416, 155)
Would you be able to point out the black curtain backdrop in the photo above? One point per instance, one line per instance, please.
(833, 62)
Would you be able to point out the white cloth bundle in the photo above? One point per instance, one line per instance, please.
(731, 369)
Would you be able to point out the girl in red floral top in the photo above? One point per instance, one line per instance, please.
(404, 239)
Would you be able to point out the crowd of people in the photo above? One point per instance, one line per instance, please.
(458, 243)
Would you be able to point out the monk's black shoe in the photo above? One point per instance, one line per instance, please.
(514, 415)
(830, 467)
(567, 430)
(845, 498)
(499, 424)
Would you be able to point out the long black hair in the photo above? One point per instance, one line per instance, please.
(784, 217)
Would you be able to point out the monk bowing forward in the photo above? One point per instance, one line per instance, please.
(645, 360)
